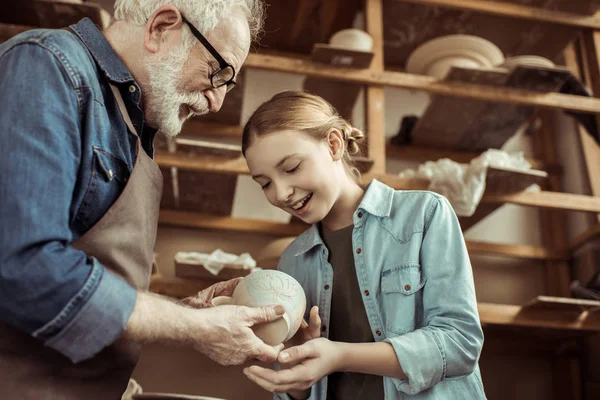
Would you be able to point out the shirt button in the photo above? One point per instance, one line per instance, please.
(360, 215)
(110, 174)
(326, 287)
(378, 332)
(132, 89)
(407, 287)
(366, 292)
(323, 328)
(358, 251)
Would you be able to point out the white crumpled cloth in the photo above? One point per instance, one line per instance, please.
(464, 184)
(217, 260)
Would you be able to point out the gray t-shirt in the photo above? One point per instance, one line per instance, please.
(348, 322)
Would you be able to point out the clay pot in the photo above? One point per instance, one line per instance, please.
(268, 287)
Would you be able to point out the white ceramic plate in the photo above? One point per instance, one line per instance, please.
(529, 60)
(435, 57)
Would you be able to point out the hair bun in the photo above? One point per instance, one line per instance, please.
(352, 139)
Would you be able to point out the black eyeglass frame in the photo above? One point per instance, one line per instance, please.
(222, 63)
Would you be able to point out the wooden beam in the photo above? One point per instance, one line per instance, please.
(590, 43)
(425, 83)
(517, 11)
(592, 233)
(374, 95)
(205, 221)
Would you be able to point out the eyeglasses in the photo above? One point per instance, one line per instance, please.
(226, 73)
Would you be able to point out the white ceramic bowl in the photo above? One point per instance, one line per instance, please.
(437, 56)
(267, 287)
(352, 39)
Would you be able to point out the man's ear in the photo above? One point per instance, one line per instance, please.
(336, 144)
(163, 21)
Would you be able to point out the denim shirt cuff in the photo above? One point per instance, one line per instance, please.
(100, 320)
(422, 359)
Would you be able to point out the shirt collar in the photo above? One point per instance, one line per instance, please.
(106, 57)
(377, 201)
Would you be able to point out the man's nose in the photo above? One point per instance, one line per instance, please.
(216, 96)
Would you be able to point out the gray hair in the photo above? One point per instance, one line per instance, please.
(204, 14)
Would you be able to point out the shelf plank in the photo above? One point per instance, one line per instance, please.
(223, 165)
(196, 127)
(562, 319)
(519, 11)
(426, 83)
(423, 154)
(206, 221)
(543, 199)
(515, 250)
(532, 316)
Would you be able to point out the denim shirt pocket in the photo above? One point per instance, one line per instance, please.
(402, 298)
(108, 179)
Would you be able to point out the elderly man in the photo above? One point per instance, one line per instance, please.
(79, 194)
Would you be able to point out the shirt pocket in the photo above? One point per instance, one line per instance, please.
(109, 177)
(402, 298)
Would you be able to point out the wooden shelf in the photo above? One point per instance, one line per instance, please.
(223, 165)
(423, 154)
(204, 221)
(473, 125)
(568, 317)
(517, 11)
(428, 84)
(543, 312)
(543, 199)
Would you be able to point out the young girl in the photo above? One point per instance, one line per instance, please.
(388, 269)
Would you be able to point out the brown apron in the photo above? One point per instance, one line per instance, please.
(123, 240)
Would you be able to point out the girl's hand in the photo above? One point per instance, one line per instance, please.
(307, 331)
(315, 359)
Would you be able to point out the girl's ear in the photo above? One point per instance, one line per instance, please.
(335, 141)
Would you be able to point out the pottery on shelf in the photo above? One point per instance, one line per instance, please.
(437, 56)
(352, 39)
(267, 287)
(528, 60)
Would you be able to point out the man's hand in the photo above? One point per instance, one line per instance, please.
(315, 359)
(226, 336)
(203, 298)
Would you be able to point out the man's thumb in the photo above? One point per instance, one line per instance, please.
(266, 314)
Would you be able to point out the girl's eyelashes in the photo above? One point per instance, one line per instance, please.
(295, 169)
(265, 186)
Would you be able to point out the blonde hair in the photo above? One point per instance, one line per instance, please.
(307, 113)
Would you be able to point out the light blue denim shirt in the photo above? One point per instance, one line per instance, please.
(416, 282)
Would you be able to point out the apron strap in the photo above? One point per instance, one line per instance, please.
(122, 108)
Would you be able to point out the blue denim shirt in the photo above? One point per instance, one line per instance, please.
(66, 155)
(416, 283)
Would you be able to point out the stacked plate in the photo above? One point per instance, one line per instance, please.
(437, 56)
